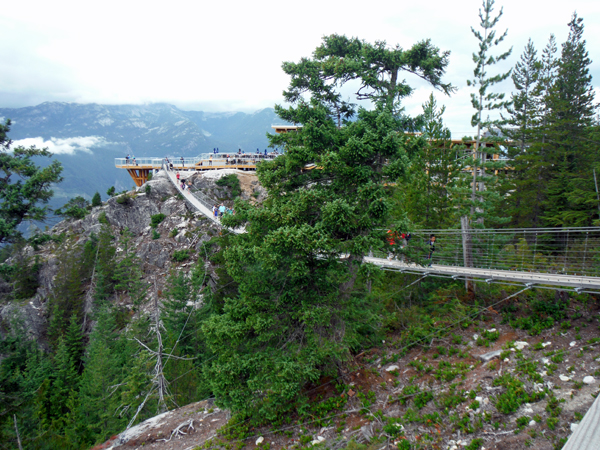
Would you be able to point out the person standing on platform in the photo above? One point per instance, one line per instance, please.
(181, 163)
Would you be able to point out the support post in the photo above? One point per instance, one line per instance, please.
(467, 250)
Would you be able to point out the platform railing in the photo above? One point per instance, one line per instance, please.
(203, 160)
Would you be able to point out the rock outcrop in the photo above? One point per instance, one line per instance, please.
(180, 229)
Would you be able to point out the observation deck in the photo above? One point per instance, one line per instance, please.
(139, 168)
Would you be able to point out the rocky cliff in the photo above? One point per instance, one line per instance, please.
(181, 228)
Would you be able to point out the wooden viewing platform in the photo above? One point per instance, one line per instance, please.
(139, 168)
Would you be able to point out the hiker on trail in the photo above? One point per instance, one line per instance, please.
(221, 209)
(177, 176)
(431, 248)
(215, 210)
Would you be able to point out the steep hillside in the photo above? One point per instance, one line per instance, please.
(483, 385)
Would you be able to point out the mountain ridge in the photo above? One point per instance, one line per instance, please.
(156, 129)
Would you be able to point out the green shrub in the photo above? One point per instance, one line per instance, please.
(111, 191)
(475, 444)
(231, 181)
(174, 232)
(76, 208)
(181, 255)
(147, 189)
(156, 219)
(96, 200)
(39, 239)
(552, 422)
(123, 199)
(155, 234)
(102, 218)
(149, 176)
(515, 395)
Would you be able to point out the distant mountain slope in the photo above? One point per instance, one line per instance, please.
(87, 137)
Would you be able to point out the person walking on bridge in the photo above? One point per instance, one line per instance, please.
(391, 240)
(431, 244)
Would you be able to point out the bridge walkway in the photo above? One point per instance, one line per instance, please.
(583, 282)
(198, 202)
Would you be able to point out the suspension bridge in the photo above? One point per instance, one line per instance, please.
(547, 258)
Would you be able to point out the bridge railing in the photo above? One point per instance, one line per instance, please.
(572, 251)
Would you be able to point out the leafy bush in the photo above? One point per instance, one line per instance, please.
(149, 176)
(156, 219)
(102, 218)
(123, 199)
(39, 239)
(174, 232)
(155, 234)
(147, 189)
(515, 395)
(181, 255)
(475, 444)
(76, 208)
(111, 191)
(231, 181)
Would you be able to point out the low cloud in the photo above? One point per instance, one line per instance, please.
(67, 146)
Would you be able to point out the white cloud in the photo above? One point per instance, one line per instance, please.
(67, 146)
(224, 56)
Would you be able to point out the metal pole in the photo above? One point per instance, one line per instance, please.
(584, 253)
(534, 251)
(466, 243)
(597, 194)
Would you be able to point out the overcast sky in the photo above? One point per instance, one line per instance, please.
(226, 55)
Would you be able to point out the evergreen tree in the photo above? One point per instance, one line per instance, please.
(24, 187)
(299, 310)
(75, 208)
(105, 265)
(429, 187)
(96, 200)
(67, 296)
(128, 272)
(523, 127)
(485, 99)
(100, 393)
(74, 342)
(571, 196)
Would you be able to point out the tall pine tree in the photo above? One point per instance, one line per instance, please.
(570, 199)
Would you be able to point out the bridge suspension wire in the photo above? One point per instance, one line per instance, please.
(568, 251)
(568, 257)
